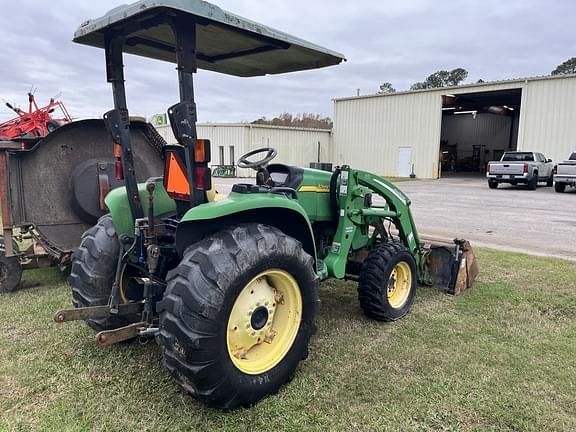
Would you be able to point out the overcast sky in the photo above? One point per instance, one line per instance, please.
(400, 41)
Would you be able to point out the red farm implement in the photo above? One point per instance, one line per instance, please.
(37, 122)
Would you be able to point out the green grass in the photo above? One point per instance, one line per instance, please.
(500, 357)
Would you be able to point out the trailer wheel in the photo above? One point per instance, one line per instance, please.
(238, 314)
(492, 184)
(10, 269)
(93, 270)
(387, 282)
(559, 187)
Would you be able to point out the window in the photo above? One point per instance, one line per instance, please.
(232, 157)
(573, 156)
(518, 157)
(221, 154)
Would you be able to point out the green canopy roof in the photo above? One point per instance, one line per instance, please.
(226, 43)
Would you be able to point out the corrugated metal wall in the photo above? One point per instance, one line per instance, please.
(369, 131)
(295, 146)
(548, 117)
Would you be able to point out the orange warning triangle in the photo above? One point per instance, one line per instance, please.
(177, 180)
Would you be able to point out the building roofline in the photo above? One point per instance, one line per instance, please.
(458, 87)
(258, 126)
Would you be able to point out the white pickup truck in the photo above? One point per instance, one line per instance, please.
(527, 168)
(565, 173)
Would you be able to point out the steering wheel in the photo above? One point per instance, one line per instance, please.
(271, 153)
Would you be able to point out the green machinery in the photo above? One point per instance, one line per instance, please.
(229, 285)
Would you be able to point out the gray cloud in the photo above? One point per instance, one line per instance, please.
(396, 41)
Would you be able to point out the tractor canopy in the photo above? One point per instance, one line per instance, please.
(225, 42)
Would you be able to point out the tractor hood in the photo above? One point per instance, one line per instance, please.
(226, 43)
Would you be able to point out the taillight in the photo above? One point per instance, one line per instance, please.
(202, 178)
(202, 151)
(555, 169)
(118, 168)
(525, 168)
(488, 168)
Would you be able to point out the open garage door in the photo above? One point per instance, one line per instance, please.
(477, 128)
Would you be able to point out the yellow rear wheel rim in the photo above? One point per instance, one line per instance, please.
(399, 285)
(264, 322)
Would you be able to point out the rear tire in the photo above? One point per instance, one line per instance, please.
(550, 181)
(493, 184)
(559, 187)
(10, 269)
(93, 271)
(533, 183)
(207, 350)
(387, 282)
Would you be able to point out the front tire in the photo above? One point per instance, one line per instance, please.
(93, 271)
(238, 314)
(387, 282)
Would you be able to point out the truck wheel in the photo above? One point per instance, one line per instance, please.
(387, 282)
(533, 183)
(237, 315)
(92, 273)
(10, 269)
(559, 187)
(492, 184)
(550, 181)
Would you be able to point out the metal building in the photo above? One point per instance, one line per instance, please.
(428, 132)
(296, 146)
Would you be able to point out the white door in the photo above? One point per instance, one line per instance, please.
(404, 161)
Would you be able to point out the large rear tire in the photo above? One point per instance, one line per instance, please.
(93, 271)
(533, 182)
(387, 282)
(492, 184)
(238, 314)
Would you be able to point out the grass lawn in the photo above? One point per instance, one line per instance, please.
(500, 357)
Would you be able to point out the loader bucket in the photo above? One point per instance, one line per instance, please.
(452, 267)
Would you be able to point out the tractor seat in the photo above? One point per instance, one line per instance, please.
(285, 176)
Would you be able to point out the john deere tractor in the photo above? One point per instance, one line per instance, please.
(229, 285)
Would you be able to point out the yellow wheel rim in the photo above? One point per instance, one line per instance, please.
(124, 279)
(264, 321)
(399, 285)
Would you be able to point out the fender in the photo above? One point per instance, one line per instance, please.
(117, 203)
(267, 208)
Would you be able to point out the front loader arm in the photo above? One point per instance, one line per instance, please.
(357, 213)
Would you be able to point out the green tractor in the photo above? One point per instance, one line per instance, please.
(229, 285)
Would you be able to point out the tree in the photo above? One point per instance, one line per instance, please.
(386, 88)
(442, 78)
(568, 67)
(304, 120)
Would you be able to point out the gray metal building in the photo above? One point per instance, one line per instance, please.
(296, 146)
(428, 132)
